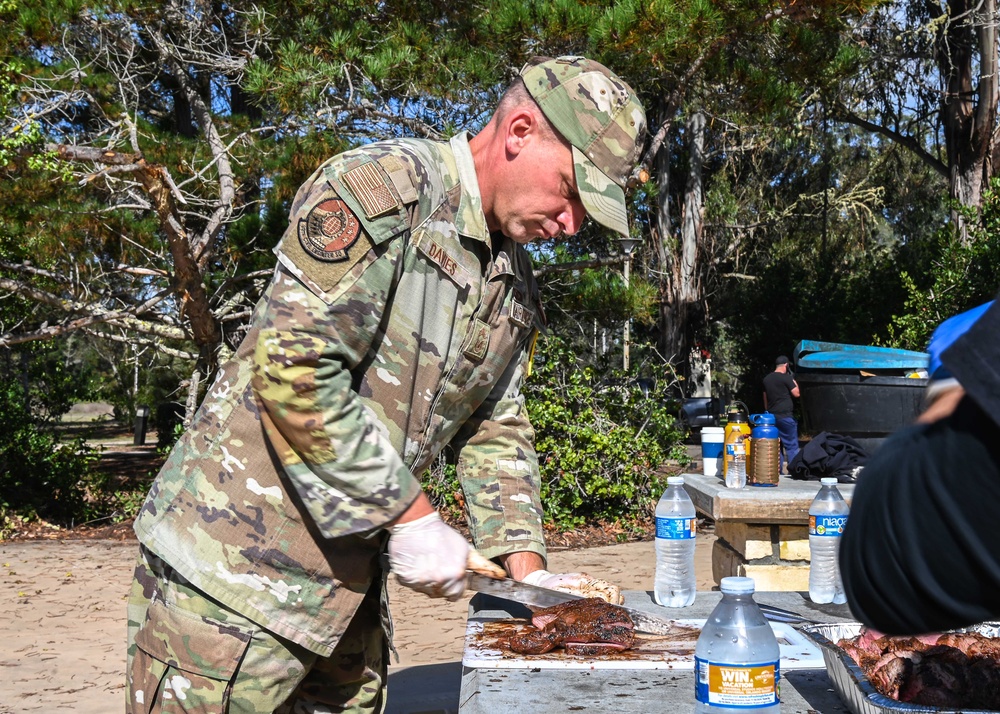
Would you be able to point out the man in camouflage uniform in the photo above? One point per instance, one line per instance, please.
(400, 319)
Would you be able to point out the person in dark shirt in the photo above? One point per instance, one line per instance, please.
(920, 551)
(779, 388)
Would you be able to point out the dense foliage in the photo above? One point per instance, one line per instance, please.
(952, 276)
(602, 440)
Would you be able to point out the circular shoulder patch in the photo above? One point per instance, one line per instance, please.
(328, 230)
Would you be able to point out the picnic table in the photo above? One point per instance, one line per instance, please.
(762, 531)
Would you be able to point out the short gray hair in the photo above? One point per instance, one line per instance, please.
(516, 96)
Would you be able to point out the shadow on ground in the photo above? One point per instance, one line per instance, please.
(425, 688)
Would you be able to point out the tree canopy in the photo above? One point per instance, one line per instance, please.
(795, 185)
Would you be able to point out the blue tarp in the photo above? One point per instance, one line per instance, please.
(813, 355)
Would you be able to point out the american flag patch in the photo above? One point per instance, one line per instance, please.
(368, 185)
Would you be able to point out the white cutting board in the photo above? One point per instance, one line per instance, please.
(650, 652)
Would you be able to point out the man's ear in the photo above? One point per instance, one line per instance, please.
(520, 128)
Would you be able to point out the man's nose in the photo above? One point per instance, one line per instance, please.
(572, 217)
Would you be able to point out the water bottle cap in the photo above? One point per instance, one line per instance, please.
(736, 586)
(828, 481)
(675, 480)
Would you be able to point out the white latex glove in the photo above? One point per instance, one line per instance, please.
(429, 556)
(577, 584)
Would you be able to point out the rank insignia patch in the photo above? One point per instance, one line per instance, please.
(329, 230)
(479, 341)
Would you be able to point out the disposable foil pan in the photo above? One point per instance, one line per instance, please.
(850, 682)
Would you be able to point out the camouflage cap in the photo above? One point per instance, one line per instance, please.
(598, 114)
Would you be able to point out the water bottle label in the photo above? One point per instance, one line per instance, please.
(735, 685)
(737, 448)
(827, 525)
(676, 528)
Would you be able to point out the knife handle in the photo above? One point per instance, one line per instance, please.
(478, 564)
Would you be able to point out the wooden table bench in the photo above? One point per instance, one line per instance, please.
(763, 531)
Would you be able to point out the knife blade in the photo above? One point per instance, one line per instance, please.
(544, 597)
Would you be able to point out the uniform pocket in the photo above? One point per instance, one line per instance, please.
(184, 663)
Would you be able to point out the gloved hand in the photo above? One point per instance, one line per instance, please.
(577, 584)
(429, 556)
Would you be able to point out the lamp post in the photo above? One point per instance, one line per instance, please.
(628, 245)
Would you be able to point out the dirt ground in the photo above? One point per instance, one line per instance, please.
(62, 620)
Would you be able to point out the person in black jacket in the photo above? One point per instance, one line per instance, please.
(920, 552)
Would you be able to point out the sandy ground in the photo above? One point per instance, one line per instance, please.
(62, 622)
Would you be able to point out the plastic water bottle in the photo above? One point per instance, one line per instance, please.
(827, 518)
(736, 463)
(676, 528)
(737, 658)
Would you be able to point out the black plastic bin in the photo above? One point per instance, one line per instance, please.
(858, 406)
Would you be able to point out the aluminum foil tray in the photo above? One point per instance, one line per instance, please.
(849, 679)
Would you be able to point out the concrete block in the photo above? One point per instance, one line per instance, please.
(778, 577)
(788, 504)
(768, 574)
(793, 543)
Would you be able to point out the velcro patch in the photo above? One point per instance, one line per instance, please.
(369, 186)
(400, 177)
(328, 230)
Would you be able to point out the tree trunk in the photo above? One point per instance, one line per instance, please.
(665, 253)
(692, 219)
(191, 404)
(681, 292)
(187, 279)
(968, 44)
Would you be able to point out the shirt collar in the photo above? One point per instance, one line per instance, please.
(470, 221)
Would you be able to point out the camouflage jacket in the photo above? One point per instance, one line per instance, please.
(394, 326)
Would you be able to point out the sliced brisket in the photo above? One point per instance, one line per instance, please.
(586, 627)
(949, 670)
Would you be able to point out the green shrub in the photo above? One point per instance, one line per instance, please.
(600, 439)
(441, 485)
(41, 477)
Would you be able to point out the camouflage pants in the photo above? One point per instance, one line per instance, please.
(188, 653)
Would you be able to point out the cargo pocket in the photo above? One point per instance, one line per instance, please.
(183, 663)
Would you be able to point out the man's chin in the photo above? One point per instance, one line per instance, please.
(520, 236)
(524, 235)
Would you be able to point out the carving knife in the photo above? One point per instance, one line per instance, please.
(544, 597)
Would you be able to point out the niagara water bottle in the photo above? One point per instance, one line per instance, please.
(676, 528)
(827, 518)
(736, 659)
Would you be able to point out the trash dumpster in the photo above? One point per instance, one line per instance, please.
(862, 391)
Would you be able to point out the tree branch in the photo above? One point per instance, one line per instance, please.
(840, 112)
(577, 265)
